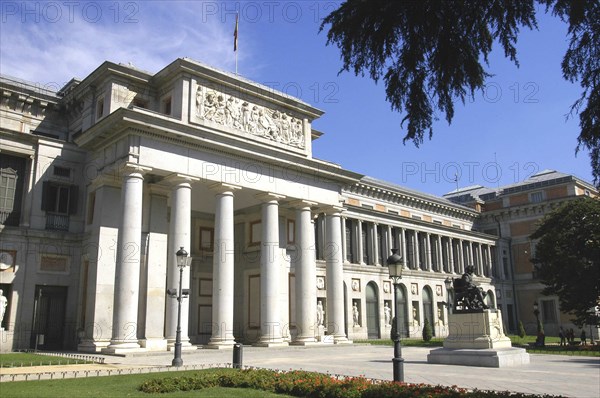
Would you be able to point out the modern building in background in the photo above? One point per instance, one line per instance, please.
(105, 180)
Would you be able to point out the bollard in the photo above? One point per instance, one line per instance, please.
(237, 356)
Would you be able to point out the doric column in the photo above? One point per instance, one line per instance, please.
(270, 273)
(402, 242)
(451, 256)
(461, 256)
(428, 253)
(439, 254)
(417, 249)
(376, 260)
(334, 275)
(344, 248)
(127, 272)
(480, 258)
(359, 243)
(179, 236)
(305, 275)
(488, 254)
(223, 268)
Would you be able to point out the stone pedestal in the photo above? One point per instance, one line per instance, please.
(478, 339)
(5, 340)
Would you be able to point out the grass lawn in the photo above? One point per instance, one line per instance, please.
(18, 359)
(118, 386)
(551, 347)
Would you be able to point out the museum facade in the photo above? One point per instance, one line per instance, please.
(104, 180)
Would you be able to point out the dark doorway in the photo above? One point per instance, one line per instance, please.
(372, 311)
(402, 306)
(49, 317)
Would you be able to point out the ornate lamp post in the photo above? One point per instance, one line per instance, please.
(395, 265)
(182, 261)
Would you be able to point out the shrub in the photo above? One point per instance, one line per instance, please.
(522, 333)
(427, 333)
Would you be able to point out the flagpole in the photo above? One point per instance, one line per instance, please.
(235, 38)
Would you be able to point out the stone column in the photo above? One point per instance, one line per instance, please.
(344, 248)
(461, 257)
(376, 259)
(453, 261)
(417, 250)
(223, 268)
(480, 259)
(127, 273)
(403, 247)
(335, 276)
(179, 236)
(306, 275)
(359, 243)
(270, 273)
(428, 252)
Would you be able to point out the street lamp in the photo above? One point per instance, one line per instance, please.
(395, 266)
(182, 261)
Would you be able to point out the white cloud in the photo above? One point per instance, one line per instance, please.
(52, 52)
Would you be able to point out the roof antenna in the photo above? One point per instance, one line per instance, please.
(456, 180)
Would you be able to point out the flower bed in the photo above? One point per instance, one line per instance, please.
(313, 385)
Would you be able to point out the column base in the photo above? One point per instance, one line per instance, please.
(116, 348)
(154, 344)
(341, 340)
(185, 346)
(220, 345)
(312, 342)
(92, 346)
(271, 342)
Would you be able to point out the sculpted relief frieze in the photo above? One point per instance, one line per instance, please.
(239, 114)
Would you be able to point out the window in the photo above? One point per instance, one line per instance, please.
(365, 243)
(536, 197)
(58, 201)
(166, 106)
(91, 206)
(349, 240)
(100, 109)
(291, 230)
(62, 171)
(12, 170)
(548, 311)
(207, 239)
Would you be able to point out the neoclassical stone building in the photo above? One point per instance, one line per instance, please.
(103, 181)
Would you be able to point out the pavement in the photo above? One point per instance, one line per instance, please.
(570, 376)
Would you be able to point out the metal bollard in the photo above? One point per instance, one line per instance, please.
(237, 356)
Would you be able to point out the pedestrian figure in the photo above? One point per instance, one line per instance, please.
(583, 337)
(563, 339)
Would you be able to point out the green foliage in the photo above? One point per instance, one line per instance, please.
(568, 257)
(431, 53)
(522, 333)
(318, 385)
(427, 332)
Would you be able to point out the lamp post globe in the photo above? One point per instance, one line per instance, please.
(395, 267)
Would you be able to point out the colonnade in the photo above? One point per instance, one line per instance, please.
(370, 243)
(127, 275)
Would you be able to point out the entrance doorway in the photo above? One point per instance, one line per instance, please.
(372, 309)
(49, 317)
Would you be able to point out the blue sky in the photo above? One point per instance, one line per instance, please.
(516, 127)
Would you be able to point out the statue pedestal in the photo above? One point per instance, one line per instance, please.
(478, 339)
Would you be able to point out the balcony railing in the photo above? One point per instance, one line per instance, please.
(57, 222)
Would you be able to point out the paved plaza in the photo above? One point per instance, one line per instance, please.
(572, 376)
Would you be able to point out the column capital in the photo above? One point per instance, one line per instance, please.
(222, 187)
(332, 210)
(178, 178)
(301, 203)
(130, 168)
(269, 197)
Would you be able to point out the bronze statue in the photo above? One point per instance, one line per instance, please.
(468, 297)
